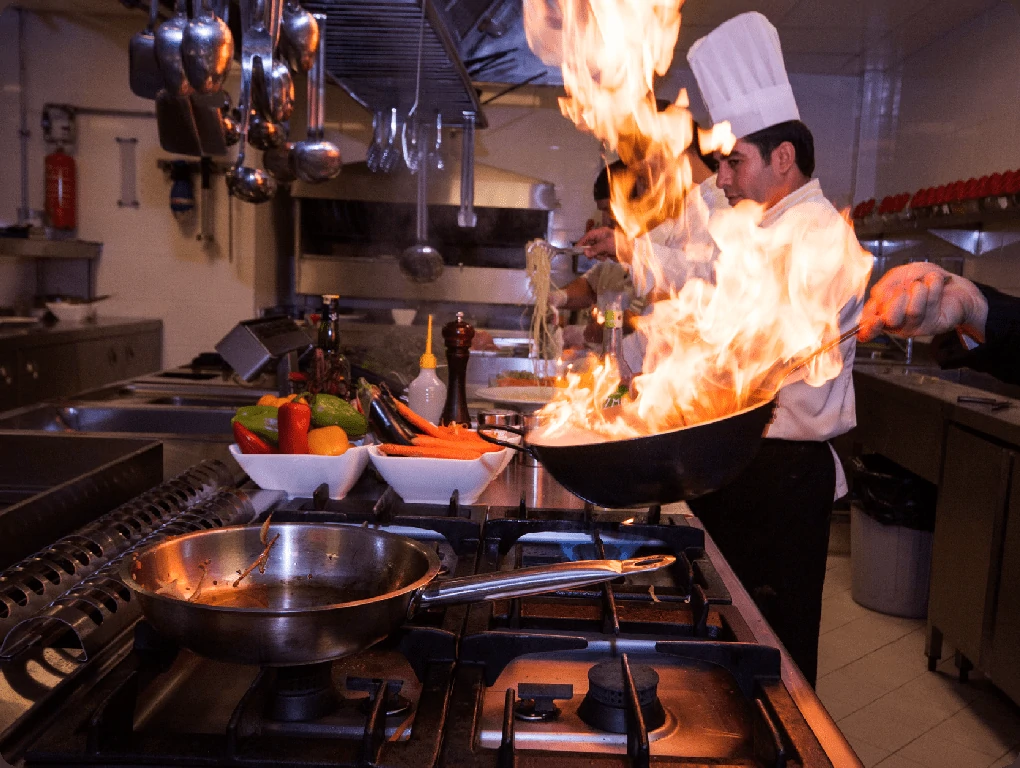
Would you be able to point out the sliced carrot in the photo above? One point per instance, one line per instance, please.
(457, 445)
(417, 421)
(462, 434)
(427, 452)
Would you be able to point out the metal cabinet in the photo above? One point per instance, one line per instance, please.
(101, 361)
(48, 371)
(1004, 662)
(970, 518)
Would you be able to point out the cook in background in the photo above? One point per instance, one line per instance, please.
(772, 522)
(974, 325)
(604, 280)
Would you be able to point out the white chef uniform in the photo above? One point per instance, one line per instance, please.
(740, 71)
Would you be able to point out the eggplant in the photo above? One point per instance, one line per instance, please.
(384, 423)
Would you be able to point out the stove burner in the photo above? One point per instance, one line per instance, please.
(395, 705)
(304, 693)
(605, 705)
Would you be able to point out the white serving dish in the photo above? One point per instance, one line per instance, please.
(301, 474)
(67, 312)
(433, 481)
(525, 399)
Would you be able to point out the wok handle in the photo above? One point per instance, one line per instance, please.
(535, 581)
(503, 443)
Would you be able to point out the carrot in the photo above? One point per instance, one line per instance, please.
(462, 434)
(456, 445)
(427, 452)
(417, 421)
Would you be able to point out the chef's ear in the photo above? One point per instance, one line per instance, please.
(784, 158)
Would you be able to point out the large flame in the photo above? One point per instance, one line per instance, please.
(712, 349)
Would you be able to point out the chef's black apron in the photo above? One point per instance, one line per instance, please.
(772, 526)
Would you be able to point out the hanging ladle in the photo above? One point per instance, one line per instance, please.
(421, 263)
(315, 160)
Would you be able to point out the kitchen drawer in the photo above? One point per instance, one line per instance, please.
(49, 371)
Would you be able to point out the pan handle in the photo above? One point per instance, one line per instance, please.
(534, 581)
(503, 443)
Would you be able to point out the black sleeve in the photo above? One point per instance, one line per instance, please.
(1000, 354)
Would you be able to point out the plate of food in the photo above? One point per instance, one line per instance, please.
(524, 398)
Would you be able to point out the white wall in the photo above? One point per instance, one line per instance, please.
(152, 266)
(950, 111)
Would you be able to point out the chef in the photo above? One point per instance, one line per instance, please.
(772, 523)
(974, 325)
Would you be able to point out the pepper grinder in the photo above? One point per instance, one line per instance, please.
(457, 335)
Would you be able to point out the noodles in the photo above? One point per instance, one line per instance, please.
(539, 270)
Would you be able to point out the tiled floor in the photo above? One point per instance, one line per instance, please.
(873, 678)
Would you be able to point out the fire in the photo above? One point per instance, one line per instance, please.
(712, 349)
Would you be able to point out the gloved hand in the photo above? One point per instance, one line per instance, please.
(922, 299)
(557, 298)
(599, 243)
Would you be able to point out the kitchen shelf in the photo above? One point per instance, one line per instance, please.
(974, 233)
(29, 248)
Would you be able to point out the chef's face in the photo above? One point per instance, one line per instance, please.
(745, 175)
(607, 213)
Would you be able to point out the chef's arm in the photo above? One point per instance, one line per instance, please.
(578, 294)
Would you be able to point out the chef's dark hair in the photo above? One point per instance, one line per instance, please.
(601, 188)
(793, 131)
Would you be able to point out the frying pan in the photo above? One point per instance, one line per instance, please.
(327, 590)
(655, 469)
(670, 466)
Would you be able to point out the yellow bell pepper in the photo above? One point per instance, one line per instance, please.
(328, 441)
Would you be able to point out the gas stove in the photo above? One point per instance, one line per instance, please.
(659, 667)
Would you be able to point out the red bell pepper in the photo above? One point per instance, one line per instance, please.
(295, 420)
(249, 442)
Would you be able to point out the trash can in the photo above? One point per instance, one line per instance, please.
(892, 520)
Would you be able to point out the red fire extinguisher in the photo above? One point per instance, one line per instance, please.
(60, 190)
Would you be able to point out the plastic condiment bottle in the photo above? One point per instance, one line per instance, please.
(426, 395)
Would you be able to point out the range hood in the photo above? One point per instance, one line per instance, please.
(372, 53)
(494, 187)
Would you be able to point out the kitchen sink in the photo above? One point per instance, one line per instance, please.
(209, 401)
(138, 419)
(964, 376)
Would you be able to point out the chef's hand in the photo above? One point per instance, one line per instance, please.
(599, 243)
(922, 299)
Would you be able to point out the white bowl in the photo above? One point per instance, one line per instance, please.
(301, 474)
(72, 313)
(433, 481)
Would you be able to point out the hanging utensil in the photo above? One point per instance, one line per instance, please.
(167, 44)
(437, 152)
(208, 111)
(390, 154)
(316, 159)
(466, 217)
(326, 591)
(175, 122)
(300, 37)
(207, 50)
(410, 136)
(143, 71)
(250, 184)
(374, 156)
(421, 263)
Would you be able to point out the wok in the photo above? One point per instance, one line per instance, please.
(327, 590)
(656, 469)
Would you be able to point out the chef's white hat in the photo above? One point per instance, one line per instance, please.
(740, 71)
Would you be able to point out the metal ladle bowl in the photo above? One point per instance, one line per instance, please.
(250, 184)
(278, 162)
(300, 38)
(207, 51)
(265, 134)
(167, 44)
(421, 263)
